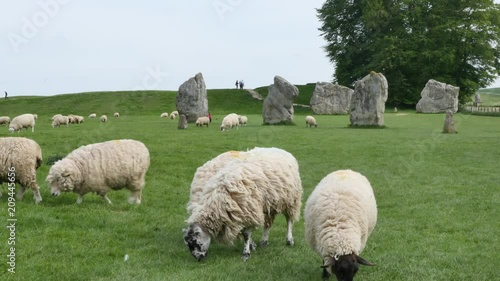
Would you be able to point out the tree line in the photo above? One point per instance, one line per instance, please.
(411, 41)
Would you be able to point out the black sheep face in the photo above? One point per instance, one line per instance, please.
(197, 241)
(345, 267)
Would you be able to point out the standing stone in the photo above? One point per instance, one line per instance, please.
(438, 97)
(449, 124)
(368, 100)
(477, 99)
(278, 105)
(192, 98)
(329, 98)
(183, 123)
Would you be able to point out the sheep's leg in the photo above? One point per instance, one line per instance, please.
(268, 222)
(265, 237)
(135, 197)
(20, 193)
(36, 194)
(106, 198)
(289, 235)
(247, 238)
(80, 199)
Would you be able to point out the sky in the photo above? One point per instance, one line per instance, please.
(50, 47)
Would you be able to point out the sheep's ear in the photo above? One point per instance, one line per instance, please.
(329, 263)
(362, 261)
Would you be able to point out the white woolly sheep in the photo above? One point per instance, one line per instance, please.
(60, 120)
(22, 121)
(55, 116)
(104, 118)
(204, 120)
(93, 115)
(100, 168)
(78, 119)
(4, 120)
(246, 192)
(164, 115)
(19, 159)
(172, 116)
(71, 119)
(243, 120)
(116, 114)
(175, 112)
(230, 121)
(339, 216)
(311, 121)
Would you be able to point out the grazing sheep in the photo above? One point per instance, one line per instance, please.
(230, 121)
(71, 119)
(35, 116)
(92, 115)
(243, 120)
(164, 115)
(104, 118)
(339, 216)
(172, 116)
(78, 119)
(204, 120)
(175, 112)
(19, 159)
(60, 120)
(116, 114)
(22, 121)
(100, 168)
(311, 121)
(245, 193)
(4, 120)
(55, 116)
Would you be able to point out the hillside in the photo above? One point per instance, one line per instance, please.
(220, 101)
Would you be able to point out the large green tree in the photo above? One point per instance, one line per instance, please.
(412, 41)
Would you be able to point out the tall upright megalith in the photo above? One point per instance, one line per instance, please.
(368, 100)
(192, 98)
(438, 97)
(329, 98)
(278, 105)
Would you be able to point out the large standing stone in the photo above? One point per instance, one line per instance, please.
(329, 98)
(192, 98)
(278, 105)
(368, 100)
(438, 97)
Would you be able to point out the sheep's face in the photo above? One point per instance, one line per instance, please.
(197, 241)
(345, 267)
(11, 129)
(60, 182)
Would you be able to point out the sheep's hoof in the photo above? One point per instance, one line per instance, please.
(245, 256)
(263, 243)
(289, 242)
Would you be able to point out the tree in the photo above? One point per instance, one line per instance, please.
(411, 41)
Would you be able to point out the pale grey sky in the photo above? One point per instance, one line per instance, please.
(50, 47)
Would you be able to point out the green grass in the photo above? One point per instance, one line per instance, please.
(438, 195)
(490, 97)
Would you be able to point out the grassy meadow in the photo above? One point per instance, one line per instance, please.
(438, 195)
(490, 97)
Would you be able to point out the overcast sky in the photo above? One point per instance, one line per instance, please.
(50, 47)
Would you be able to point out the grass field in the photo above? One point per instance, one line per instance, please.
(438, 195)
(490, 97)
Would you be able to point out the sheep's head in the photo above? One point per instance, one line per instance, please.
(60, 180)
(11, 129)
(197, 241)
(344, 267)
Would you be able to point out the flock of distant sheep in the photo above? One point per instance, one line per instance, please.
(230, 195)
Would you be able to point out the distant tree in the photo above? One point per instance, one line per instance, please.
(412, 41)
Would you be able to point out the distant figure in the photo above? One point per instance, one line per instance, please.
(210, 117)
(6, 95)
(236, 84)
(477, 99)
(242, 84)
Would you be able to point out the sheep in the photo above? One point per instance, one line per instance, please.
(35, 116)
(55, 116)
(116, 114)
(172, 116)
(246, 192)
(311, 121)
(339, 216)
(104, 118)
(4, 120)
(230, 121)
(100, 168)
(243, 120)
(61, 120)
(92, 115)
(175, 112)
(19, 160)
(22, 121)
(164, 115)
(71, 119)
(78, 119)
(204, 120)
